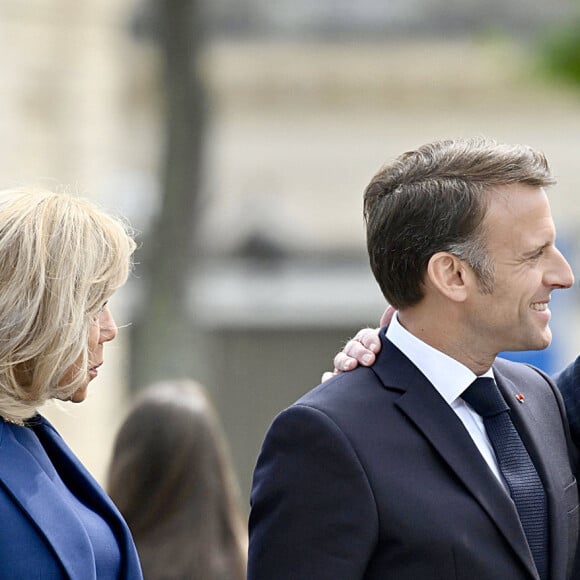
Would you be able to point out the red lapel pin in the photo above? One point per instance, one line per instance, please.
(520, 397)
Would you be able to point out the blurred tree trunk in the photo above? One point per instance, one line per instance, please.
(162, 334)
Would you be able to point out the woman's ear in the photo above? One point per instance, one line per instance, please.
(449, 275)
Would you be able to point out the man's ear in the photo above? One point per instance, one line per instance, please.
(449, 275)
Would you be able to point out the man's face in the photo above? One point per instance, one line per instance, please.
(521, 237)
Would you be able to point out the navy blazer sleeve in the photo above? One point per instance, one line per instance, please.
(568, 382)
(306, 470)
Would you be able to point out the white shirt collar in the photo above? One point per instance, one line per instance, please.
(449, 377)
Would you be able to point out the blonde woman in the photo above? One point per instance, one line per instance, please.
(61, 259)
(172, 478)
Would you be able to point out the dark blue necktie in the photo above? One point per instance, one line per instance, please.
(516, 466)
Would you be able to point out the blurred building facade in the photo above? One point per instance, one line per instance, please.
(373, 18)
(307, 101)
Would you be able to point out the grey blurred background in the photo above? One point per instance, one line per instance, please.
(237, 137)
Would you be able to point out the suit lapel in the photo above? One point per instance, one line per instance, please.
(542, 450)
(41, 499)
(435, 419)
(91, 493)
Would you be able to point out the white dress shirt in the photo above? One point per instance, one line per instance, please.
(449, 378)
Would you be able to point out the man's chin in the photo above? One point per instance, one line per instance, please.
(546, 340)
(538, 341)
(542, 343)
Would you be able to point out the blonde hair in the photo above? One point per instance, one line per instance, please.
(61, 257)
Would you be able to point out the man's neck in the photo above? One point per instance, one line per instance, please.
(444, 332)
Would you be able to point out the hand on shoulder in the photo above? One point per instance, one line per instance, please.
(361, 349)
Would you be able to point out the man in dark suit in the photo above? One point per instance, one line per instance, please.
(439, 462)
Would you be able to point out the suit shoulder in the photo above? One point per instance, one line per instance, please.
(517, 371)
(344, 388)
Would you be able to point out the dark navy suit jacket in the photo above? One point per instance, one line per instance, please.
(372, 476)
(40, 536)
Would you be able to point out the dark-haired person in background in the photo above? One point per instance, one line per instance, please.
(172, 478)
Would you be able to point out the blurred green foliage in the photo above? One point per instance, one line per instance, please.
(560, 52)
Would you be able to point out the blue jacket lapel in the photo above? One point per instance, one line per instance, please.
(92, 493)
(38, 496)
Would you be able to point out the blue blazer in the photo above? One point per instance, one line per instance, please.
(40, 536)
(371, 475)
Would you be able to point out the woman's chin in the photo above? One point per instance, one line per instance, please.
(79, 395)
